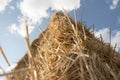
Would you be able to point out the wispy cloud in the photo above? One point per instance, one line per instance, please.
(20, 29)
(35, 10)
(115, 38)
(3, 4)
(113, 3)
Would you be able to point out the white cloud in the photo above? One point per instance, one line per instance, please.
(104, 32)
(35, 10)
(66, 4)
(20, 29)
(113, 3)
(115, 38)
(3, 4)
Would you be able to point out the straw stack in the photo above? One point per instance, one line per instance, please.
(66, 50)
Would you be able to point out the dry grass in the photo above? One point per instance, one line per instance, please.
(66, 50)
(4, 56)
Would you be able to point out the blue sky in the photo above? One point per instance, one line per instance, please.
(102, 13)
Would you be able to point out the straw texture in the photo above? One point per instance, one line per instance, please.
(66, 50)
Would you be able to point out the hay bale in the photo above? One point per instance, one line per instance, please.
(65, 51)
